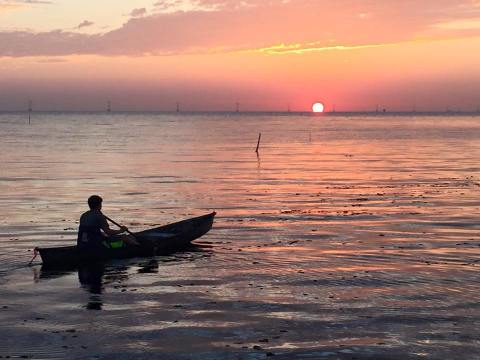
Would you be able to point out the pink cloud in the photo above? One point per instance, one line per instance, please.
(256, 23)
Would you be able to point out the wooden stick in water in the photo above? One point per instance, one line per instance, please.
(258, 143)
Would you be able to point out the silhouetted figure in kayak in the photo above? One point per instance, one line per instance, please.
(95, 236)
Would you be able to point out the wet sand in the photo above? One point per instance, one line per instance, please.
(348, 238)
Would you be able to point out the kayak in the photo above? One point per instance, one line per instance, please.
(162, 240)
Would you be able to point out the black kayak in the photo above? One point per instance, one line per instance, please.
(162, 240)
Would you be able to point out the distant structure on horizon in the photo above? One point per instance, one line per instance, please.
(30, 109)
(453, 109)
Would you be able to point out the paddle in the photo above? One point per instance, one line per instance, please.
(120, 226)
(129, 232)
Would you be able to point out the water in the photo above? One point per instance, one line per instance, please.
(346, 238)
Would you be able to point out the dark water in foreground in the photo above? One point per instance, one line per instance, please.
(347, 238)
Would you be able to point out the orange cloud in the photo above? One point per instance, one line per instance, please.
(255, 24)
(298, 49)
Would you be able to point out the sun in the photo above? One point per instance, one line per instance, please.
(318, 107)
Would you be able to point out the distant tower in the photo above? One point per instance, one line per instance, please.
(178, 107)
(288, 108)
(109, 106)
(30, 109)
(237, 107)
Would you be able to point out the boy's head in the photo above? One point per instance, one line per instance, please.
(95, 202)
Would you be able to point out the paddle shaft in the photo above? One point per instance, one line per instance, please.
(115, 223)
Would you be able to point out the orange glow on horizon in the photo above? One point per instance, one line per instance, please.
(101, 53)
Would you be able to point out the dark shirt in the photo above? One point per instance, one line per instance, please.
(90, 236)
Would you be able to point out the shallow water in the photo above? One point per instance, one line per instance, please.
(346, 238)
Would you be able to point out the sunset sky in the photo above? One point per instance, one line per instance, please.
(264, 54)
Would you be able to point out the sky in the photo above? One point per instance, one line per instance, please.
(266, 55)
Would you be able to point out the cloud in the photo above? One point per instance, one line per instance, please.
(303, 48)
(228, 25)
(171, 6)
(53, 43)
(22, 2)
(53, 60)
(168, 6)
(84, 24)
(19, 3)
(7, 5)
(138, 12)
(467, 24)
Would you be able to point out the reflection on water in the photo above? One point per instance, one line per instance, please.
(151, 267)
(90, 276)
(345, 238)
(101, 277)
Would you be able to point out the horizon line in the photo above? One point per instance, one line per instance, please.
(254, 112)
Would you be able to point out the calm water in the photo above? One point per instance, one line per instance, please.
(347, 238)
